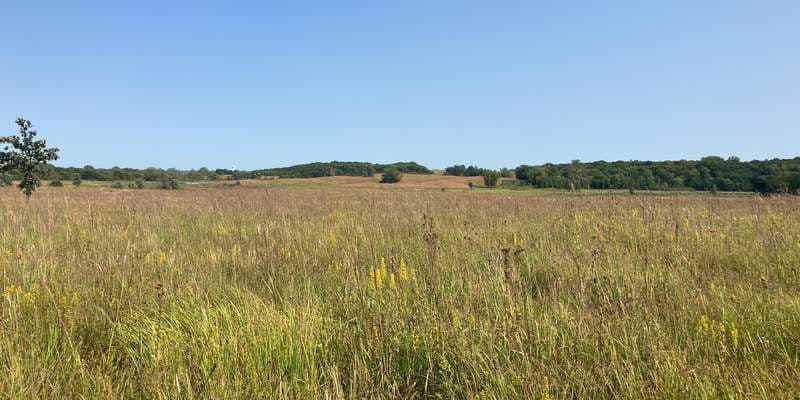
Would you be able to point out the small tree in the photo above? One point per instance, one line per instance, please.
(23, 153)
(138, 184)
(391, 175)
(490, 178)
(5, 179)
(56, 183)
(76, 180)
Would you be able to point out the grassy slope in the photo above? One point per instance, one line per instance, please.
(246, 292)
(409, 182)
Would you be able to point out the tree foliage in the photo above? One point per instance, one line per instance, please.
(490, 178)
(338, 168)
(461, 170)
(24, 154)
(391, 175)
(89, 172)
(732, 174)
(76, 180)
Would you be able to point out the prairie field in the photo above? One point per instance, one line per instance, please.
(274, 292)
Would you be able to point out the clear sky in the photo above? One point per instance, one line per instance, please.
(492, 83)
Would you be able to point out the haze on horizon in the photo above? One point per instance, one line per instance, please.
(495, 84)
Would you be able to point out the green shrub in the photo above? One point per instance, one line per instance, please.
(170, 184)
(5, 180)
(490, 178)
(137, 184)
(76, 180)
(56, 183)
(391, 175)
(117, 185)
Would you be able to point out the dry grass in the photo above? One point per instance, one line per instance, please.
(409, 181)
(259, 292)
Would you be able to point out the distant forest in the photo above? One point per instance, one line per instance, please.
(311, 170)
(334, 168)
(709, 173)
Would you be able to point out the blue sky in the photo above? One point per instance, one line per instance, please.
(492, 83)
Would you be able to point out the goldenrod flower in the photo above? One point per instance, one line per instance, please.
(379, 277)
(403, 272)
(372, 276)
(702, 324)
(734, 335)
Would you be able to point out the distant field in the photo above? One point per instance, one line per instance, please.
(301, 290)
(411, 182)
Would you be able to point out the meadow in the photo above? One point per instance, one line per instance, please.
(291, 292)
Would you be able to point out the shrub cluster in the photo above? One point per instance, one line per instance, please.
(391, 175)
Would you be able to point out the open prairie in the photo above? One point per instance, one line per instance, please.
(274, 292)
(410, 181)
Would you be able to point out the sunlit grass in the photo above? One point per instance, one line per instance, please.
(267, 292)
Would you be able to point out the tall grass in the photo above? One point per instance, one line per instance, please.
(281, 293)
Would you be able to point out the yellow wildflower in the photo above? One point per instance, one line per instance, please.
(734, 335)
(403, 272)
(702, 324)
(379, 277)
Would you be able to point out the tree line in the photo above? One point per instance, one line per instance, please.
(473, 170)
(337, 168)
(26, 159)
(709, 174)
(311, 170)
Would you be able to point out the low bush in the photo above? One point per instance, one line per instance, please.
(490, 178)
(391, 175)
